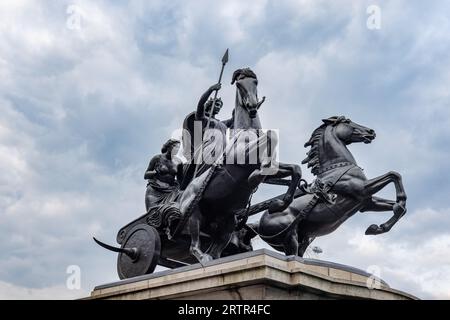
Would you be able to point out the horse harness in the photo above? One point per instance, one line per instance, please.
(320, 191)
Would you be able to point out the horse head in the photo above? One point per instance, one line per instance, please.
(348, 131)
(246, 94)
(328, 142)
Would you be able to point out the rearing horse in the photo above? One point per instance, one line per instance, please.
(212, 200)
(344, 188)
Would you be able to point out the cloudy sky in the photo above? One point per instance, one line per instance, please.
(89, 90)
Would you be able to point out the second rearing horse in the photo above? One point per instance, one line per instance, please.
(344, 188)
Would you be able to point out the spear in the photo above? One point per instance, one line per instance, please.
(224, 62)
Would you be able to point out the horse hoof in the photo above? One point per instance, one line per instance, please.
(206, 258)
(373, 229)
(197, 253)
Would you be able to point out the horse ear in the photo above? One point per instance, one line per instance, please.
(330, 120)
(235, 75)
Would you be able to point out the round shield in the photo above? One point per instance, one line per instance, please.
(145, 245)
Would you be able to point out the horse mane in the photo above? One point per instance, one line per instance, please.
(245, 72)
(313, 154)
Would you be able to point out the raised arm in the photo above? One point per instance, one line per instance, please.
(200, 113)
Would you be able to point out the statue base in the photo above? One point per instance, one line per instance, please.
(260, 274)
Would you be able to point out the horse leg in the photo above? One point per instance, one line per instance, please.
(222, 237)
(372, 186)
(291, 246)
(304, 244)
(282, 170)
(380, 204)
(213, 245)
(285, 170)
(194, 229)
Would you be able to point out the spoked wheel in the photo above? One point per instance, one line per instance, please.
(140, 252)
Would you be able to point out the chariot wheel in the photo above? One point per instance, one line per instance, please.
(141, 249)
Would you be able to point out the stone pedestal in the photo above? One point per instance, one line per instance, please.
(260, 274)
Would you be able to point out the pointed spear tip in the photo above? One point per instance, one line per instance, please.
(225, 57)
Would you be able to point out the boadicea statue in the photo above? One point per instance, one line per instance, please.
(197, 210)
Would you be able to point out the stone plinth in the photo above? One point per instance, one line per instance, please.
(260, 274)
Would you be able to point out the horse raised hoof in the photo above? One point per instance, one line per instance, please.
(373, 229)
(200, 256)
(205, 258)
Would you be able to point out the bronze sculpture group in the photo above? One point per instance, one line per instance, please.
(197, 210)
